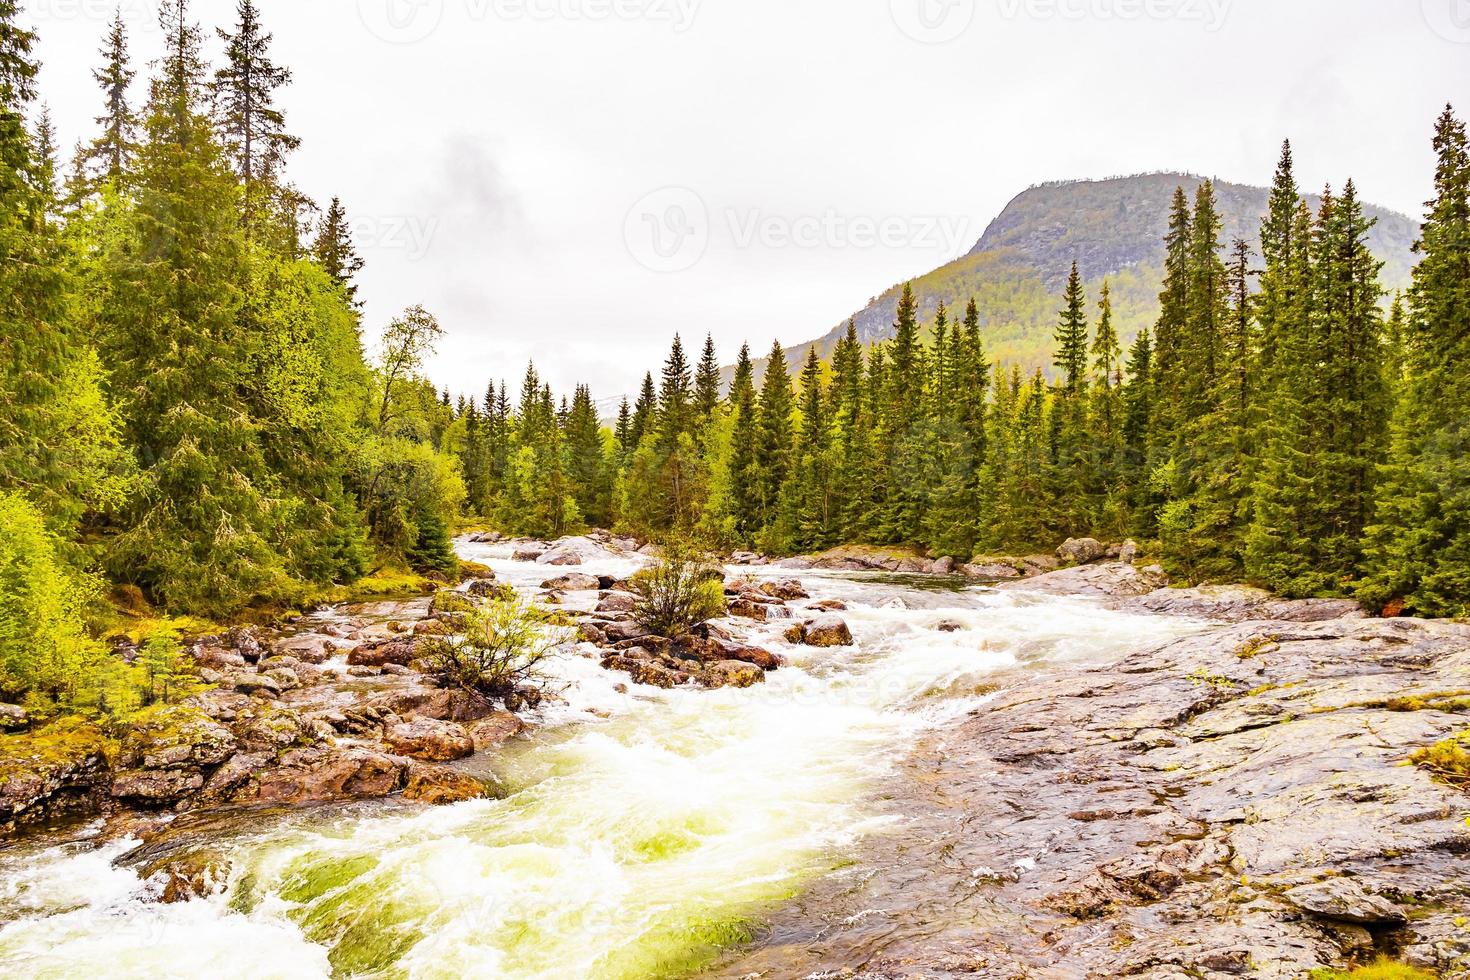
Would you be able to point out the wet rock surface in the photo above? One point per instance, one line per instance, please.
(1235, 803)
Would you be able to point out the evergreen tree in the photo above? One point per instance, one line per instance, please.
(675, 399)
(335, 253)
(773, 437)
(252, 129)
(707, 382)
(743, 478)
(1419, 544)
(196, 537)
(587, 460)
(1071, 337)
(112, 152)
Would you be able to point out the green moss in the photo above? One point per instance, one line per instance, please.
(1446, 761)
(66, 743)
(1382, 969)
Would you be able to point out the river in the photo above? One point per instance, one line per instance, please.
(645, 831)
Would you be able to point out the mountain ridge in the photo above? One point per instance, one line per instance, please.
(1114, 228)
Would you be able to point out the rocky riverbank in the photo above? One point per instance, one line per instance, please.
(1236, 803)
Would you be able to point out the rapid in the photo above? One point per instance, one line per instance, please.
(644, 830)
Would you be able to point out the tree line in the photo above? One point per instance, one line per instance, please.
(185, 403)
(1283, 422)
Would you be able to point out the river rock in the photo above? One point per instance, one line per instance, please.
(732, 673)
(1113, 580)
(575, 551)
(218, 658)
(622, 632)
(494, 731)
(990, 570)
(175, 737)
(441, 785)
(270, 727)
(617, 602)
(572, 582)
(644, 670)
(784, 589)
(13, 717)
(528, 551)
(827, 631)
(156, 787)
(1345, 900)
(1081, 551)
(402, 652)
(57, 771)
(248, 683)
(1239, 603)
(943, 566)
(1128, 553)
(426, 738)
(326, 773)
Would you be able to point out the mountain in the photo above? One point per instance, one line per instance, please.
(1114, 229)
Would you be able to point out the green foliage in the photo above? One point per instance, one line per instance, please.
(45, 651)
(499, 647)
(1380, 969)
(432, 551)
(681, 591)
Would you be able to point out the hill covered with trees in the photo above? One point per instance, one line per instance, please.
(1113, 229)
(188, 419)
(1280, 419)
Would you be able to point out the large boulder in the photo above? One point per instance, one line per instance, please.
(1344, 900)
(732, 673)
(156, 787)
(440, 785)
(617, 602)
(175, 737)
(61, 770)
(827, 631)
(1108, 580)
(1081, 551)
(13, 717)
(429, 739)
(401, 652)
(495, 731)
(574, 551)
(573, 582)
(326, 773)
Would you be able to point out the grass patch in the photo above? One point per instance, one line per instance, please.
(385, 583)
(1446, 761)
(1382, 969)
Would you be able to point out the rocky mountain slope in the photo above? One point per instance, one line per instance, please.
(1114, 229)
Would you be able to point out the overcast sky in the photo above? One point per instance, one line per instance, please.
(575, 180)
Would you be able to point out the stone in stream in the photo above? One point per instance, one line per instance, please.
(824, 631)
(573, 582)
(1081, 551)
(402, 652)
(617, 602)
(429, 739)
(441, 785)
(1345, 900)
(326, 773)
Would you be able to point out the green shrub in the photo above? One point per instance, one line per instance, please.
(1447, 761)
(45, 651)
(500, 647)
(677, 594)
(1382, 969)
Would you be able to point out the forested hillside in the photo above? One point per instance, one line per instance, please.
(1112, 229)
(189, 423)
(1280, 419)
(188, 420)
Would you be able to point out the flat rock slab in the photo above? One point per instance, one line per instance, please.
(1234, 803)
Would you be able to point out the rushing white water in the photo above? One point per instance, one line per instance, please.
(645, 829)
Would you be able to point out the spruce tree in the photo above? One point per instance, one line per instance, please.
(773, 437)
(197, 537)
(335, 252)
(252, 129)
(707, 382)
(675, 399)
(111, 153)
(743, 478)
(1071, 336)
(1418, 551)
